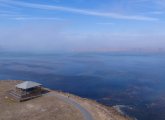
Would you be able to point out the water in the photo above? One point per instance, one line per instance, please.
(135, 82)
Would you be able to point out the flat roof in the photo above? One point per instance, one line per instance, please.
(27, 85)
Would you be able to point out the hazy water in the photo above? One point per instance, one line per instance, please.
(137, 81)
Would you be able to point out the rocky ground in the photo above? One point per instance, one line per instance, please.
(48, 107)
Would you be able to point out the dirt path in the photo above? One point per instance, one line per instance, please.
(84, 112)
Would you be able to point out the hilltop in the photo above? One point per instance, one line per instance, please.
(53, 106)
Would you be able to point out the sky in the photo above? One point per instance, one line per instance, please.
(82, 25)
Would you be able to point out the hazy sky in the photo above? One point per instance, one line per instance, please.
(82, 25)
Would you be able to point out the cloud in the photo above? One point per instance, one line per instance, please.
(105, 23)
(55, 38)
(12, 15)
(37, 18)
(56, 34)
(157, 12)
(158, 3)
(80, 11)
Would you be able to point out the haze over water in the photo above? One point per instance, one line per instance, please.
(137, 82)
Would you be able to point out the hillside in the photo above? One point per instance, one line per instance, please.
(53, 106)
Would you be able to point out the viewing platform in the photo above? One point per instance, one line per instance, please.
(25, 91)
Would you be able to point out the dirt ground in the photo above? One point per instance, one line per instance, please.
(42, 108)
(50, 107)
(99, 111)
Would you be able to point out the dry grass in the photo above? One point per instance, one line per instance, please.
(98, 111)
(42, 108)
(51, 108)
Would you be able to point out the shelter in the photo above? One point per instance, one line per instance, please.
(26, 90)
